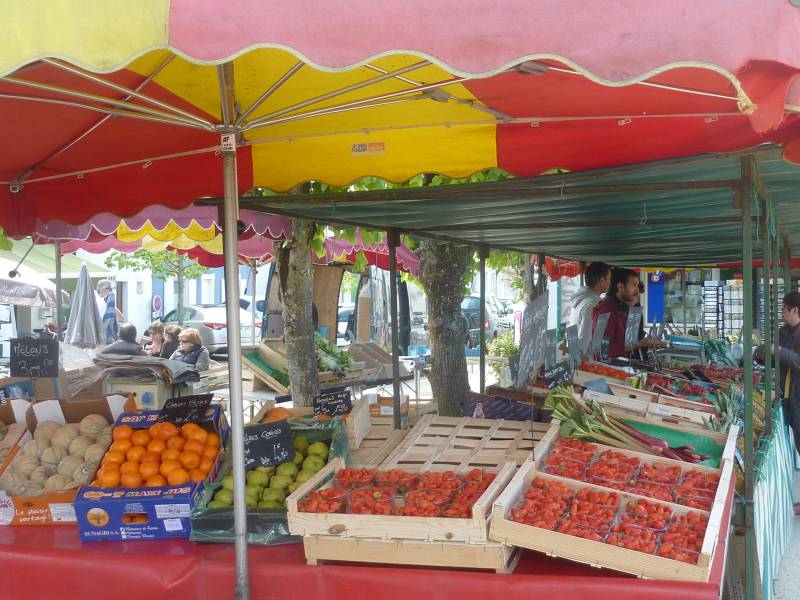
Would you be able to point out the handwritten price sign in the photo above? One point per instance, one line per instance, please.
(268, 444)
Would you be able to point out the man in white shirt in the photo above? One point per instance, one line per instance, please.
(597, 278)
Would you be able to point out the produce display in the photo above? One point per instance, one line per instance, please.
(60, 457)
(590, 422)
(160, 455)
(368, 491)
(604, 370)
(679, 388)
(268, 487)
(600, 516)
(581, 461)
(329, 356)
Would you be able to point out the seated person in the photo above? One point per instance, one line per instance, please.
(126, 344)
(156, 341)
(191, 350)
(170, 344)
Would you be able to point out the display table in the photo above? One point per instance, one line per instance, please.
(50, 561)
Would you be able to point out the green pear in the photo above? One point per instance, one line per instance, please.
(300, 444)
(270, 504)
(253, 490)
(293, 486)
(252, 501)
(227, 482)
(217, 504)
(319, 449)
(280, 482)
(225, 496)
(274, 494)
(304, 476)
(258, 478)
(313, 463)
(298, 458)
(267, 470)
(287, 469)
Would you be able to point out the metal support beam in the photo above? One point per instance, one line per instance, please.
(766, 272)
(254, 273)
(59, 306)
(483, 253)
(747, 345)
(393, 241)
(776, 323)
(787, 266)
(230, 246)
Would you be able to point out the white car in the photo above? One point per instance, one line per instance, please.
(212, 323)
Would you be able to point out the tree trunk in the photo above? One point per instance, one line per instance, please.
(179, 285)
(442, 271)
(528, 290)
(296, 278)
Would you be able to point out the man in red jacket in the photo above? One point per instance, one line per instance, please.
(622, 294)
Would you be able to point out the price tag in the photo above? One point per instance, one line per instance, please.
(268, 444)
(185, 409)
(228, 142)
(550, 349)
(534, 323)
(333, 402)
(34, 357)
(561, 373)
(573, 345)
(632, 327)
(599, 333)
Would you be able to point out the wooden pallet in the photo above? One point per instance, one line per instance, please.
(491, 556)
(461, 442)
(598, 554)
(472, 530)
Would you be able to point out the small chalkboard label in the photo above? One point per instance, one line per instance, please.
(534, 324)
(549, 348)
(34, 357)
(185, 409)
(599, 332)
(333, 402)
(632, 327)
(561, 373)
(573, 345)
(268, 444)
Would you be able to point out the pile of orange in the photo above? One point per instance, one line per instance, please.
(161, 455)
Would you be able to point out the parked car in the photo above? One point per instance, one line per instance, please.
(344, 321)
(212, 322)
(471, 310)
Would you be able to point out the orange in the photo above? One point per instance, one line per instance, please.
(178, 476)
(189, 459)
(113, 456)
(135, 453)
(210, 452)
(212, 440)
(141, 437)
(154, 430)
(167, 466)
(206, 464)
(157, 446)
(121, 432)
(194, 446)
(130, 466)
(197, 475)
(188, 427)
(108, 478)
(155, 481)
(131, 480)
(170, 454)
(121, 446)
(277, 414)
(199, 434)
(167, 430)
(176, 442)
(150, 456)
(149, 469)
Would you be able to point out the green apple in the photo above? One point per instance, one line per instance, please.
(287, 469)
(319, 449)
(227, 482)
(300, 444)
(304, 475)
(258, 478)
(280, 482)
(313, 463)
(274, 494)
(270, 504)
(225, 496)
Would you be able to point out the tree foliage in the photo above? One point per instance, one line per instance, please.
(163, 264)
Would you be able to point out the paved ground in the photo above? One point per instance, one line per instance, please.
(788, 585)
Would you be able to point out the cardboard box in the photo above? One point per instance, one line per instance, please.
(56, 507)
(152, 513)
(383, 406)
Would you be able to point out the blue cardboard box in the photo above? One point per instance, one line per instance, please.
(147, 513)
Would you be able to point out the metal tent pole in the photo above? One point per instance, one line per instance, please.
(766, 272)
(776, 323)
(787, 266)
(254, 272)
(683, 300)
(393, 240)
(746, 197)
(230, 247)
(59, 305)
(483, 252)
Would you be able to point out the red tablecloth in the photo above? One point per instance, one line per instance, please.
(41, 562)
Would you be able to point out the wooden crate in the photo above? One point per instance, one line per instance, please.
(461, 442)
(492, 556)
(581, 377)
(251, 361)
(380, 441)
(470, 530)
(663, 413)
(632, 392)
(272, 351)
(598, 554)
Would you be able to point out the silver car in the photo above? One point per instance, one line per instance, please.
(212, 323)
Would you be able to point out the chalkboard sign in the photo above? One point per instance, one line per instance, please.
(599, 333)
(549, 348)
(573, 345)
(268, 444)
(334, 402)
(34, 357)
(534, 324)
(632, 327)
(561, 373)
(185, 409)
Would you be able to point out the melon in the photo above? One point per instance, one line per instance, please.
(83, 473)
(63, 437)
(92, 426)
(105, 437)
(68, 465)
(53, 455)
(25, 465)
(56, 483)
(40, 474)
(9, 481)
(45, 431)
(33, 448)
(28, 489)
(94, 453)
(79, 445)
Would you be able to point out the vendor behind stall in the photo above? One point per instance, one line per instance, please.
(191, 350)
(598, 279)
(126, 345)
